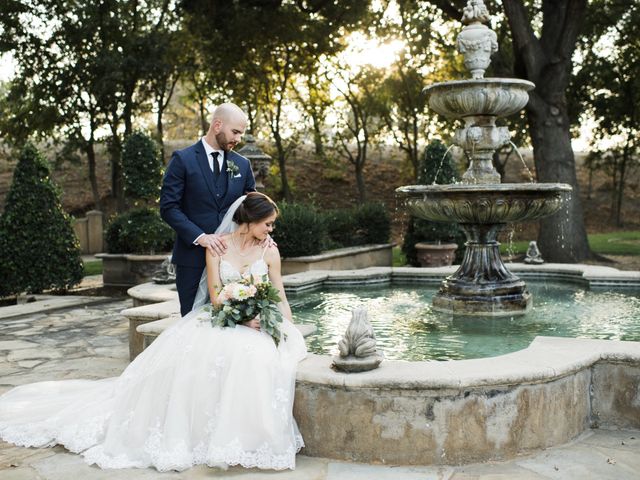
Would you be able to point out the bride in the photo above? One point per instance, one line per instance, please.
(198, 394)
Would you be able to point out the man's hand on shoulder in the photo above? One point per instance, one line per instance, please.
(268, 242)
(214, 243)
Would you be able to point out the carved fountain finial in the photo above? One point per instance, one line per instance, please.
(475, 11)
(357, 348)
(476, 42)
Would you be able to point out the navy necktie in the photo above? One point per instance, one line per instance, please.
(216, 165)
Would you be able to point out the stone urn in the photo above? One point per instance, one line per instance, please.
(435, 254)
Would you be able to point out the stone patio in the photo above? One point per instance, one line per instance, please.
(91, 341)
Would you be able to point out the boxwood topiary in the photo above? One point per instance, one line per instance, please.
(141, 166)
(300, 230)
(140, 231)
(38, 248)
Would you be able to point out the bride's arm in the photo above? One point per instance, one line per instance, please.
(272, 257)
(214, 284)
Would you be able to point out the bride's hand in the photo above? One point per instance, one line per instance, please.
(254, 323)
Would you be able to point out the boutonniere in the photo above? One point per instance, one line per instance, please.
(232, 168)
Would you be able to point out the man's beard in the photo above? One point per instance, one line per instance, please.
(225, 145)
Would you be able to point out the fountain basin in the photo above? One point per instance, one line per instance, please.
(456, 412)
(483, 285)
(484, 204)
(496, 97)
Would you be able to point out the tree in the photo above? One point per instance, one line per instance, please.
(38, 247)
(606, 90)
(361, 121)
(544, 36)
(422, 60)
(286, 39)
(83, 73)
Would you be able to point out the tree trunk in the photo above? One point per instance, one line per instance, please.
(317, 136)
(282, 164)
(620, 187)
(91, 157)
(562, 237)
(546, 61)
(160, 130)
(362, 194)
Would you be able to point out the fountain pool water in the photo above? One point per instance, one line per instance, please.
(407, 327)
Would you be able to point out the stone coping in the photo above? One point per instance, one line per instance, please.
(340, 252)
(132, 256)
(153, 292)
(592, 276)
(154, 311)
(546, 359)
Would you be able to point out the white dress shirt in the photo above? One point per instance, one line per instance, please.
(209, 150)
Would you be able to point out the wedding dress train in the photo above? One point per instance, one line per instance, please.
(197, 395)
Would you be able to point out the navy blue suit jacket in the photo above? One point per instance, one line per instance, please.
(190, 203)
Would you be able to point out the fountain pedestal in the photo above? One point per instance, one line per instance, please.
(482, 285)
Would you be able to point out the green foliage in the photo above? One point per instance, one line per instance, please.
(300, 230)
(142, 167)
(139, 231)
(361, 225)
(38, 248)
(435, 168)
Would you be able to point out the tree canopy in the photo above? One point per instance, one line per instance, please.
(92, 73)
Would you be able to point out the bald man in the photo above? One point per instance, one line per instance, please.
(199, 186)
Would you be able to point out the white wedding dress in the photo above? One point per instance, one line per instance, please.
(197, 395)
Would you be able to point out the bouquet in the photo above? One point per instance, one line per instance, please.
(245, 300)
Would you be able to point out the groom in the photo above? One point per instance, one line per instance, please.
(199, 186)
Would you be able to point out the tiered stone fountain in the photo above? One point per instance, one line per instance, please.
(481, 204)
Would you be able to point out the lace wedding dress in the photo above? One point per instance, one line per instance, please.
(197, 395)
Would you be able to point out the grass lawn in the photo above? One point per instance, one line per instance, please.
(94, 267)
(613, 243)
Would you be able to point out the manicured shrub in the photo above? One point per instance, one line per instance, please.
(142, 167)
(373, 224)
(300, 230)
(434, 168)
(38, 248)
(341, 226)
(140, 231)
(361, 225)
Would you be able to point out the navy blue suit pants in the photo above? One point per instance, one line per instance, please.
(189, 279)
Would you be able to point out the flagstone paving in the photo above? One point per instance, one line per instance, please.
(91, 341)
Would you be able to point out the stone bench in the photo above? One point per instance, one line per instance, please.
(146, 314)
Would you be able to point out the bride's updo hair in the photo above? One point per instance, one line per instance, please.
(257, 206)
